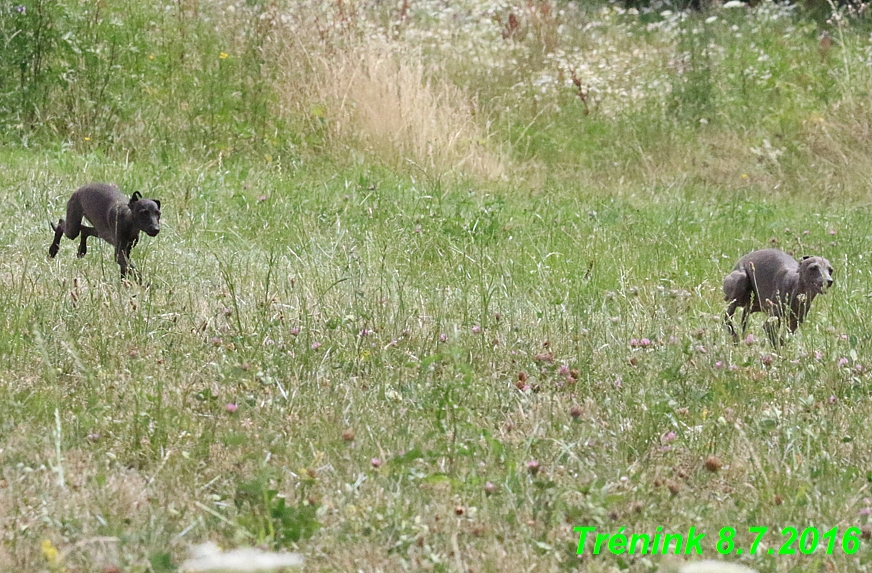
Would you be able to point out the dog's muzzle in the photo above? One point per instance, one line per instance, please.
(152, 232)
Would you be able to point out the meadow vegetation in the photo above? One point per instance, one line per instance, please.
(437, 282)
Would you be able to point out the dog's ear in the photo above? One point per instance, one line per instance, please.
(806, 257)
(158, 204)
(136, 196)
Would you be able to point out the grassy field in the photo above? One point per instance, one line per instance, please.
(437, 283)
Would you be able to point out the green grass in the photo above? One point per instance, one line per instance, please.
(400, 343)
(141, 376)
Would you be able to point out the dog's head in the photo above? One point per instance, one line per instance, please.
(816, 273)
(146, 214)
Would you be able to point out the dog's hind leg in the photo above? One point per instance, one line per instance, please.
(56, 242)
(83, 242)
(728, 319)
(737, 292)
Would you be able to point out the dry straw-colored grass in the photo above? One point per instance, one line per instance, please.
(374, 95)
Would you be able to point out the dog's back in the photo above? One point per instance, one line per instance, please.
(770, 273)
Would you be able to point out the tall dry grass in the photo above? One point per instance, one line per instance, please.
(367, 92)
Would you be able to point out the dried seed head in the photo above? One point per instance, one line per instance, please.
(348, 434)
(712, 464)
(575, 412)
(546, 357)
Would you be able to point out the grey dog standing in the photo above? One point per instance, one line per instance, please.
(117, 219)
(773, 282)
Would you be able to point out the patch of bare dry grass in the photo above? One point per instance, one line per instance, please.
(372, 94)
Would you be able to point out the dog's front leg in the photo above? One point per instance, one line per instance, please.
(122, 255)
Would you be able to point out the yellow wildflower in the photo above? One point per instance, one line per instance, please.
(50, 552)
(224, 55)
